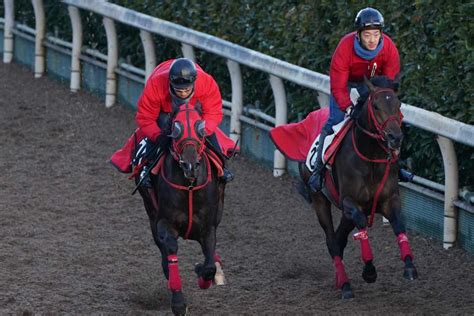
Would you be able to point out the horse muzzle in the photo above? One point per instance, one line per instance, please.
(394, 140)
(190, 170)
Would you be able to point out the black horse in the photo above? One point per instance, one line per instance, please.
(364, 180)
(187, 201)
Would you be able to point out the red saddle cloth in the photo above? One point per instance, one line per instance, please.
(295, 139)
(122, 158)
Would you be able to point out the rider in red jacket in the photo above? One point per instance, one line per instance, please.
(365, 52)
(171, 84)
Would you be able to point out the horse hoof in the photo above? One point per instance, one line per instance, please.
(370, 273)
(410, 274)
(178, 303)
(346, 292)
(198, 267)
(204, 284)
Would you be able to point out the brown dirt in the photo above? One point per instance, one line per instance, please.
(75, 241)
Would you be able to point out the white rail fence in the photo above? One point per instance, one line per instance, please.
(446, 130)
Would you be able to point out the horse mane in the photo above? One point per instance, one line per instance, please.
(385, 82)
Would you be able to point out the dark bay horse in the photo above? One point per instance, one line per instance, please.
(187, 201)
(364, 180)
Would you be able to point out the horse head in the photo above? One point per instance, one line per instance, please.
(384, 118)
(187, 135)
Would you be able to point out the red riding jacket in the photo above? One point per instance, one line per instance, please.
(347, 66)
(156, 98)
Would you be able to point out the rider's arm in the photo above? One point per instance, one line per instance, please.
(339, 74)
(148, 109)
(392, 62)
(211, 105)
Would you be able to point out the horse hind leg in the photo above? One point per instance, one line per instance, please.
(323, 211)
(168, 239)
(219, 278)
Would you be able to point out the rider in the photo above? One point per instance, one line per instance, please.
(173, 83)
(368, 52)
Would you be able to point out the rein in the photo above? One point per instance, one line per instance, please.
(177, 150)
(190, 190)
(379, 135)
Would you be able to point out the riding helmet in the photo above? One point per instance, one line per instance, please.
(368, 18)
(182, 73)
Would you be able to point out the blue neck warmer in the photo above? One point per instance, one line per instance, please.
(365, 53)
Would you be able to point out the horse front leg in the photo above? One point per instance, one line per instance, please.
(168, 240)
(207, 270)
(323, 210)
(406, 255)
(353, 213)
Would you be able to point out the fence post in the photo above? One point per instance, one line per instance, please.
(40, 32)
(7, 31)
(149, 49)
(188, 51)
(450, 192)
(112, 61)
(281, 118)
(237, 99)
(75, 17)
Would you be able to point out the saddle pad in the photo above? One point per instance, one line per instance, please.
(294, 140)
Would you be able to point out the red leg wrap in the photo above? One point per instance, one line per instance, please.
(365, 250)
(341, 276)
(174, 281)
(404, 245)
(203, 284)
(217, 258)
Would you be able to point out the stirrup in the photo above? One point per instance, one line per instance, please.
(405, 175)
(315, 181)
(227, 176)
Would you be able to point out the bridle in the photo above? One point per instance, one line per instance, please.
(379, 133)
(381, 136)
(184, 134)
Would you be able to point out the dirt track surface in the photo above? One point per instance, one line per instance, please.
(73, 239)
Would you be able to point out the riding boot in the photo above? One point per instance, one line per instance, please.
(405, 175)
(315, 182)
(145, 177)
(227, 174)
(147, 151)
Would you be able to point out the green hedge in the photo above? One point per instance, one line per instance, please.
(434, 39)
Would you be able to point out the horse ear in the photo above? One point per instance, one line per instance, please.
(176, 130)
(396, 82)
(369, 84)
(200, 128)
